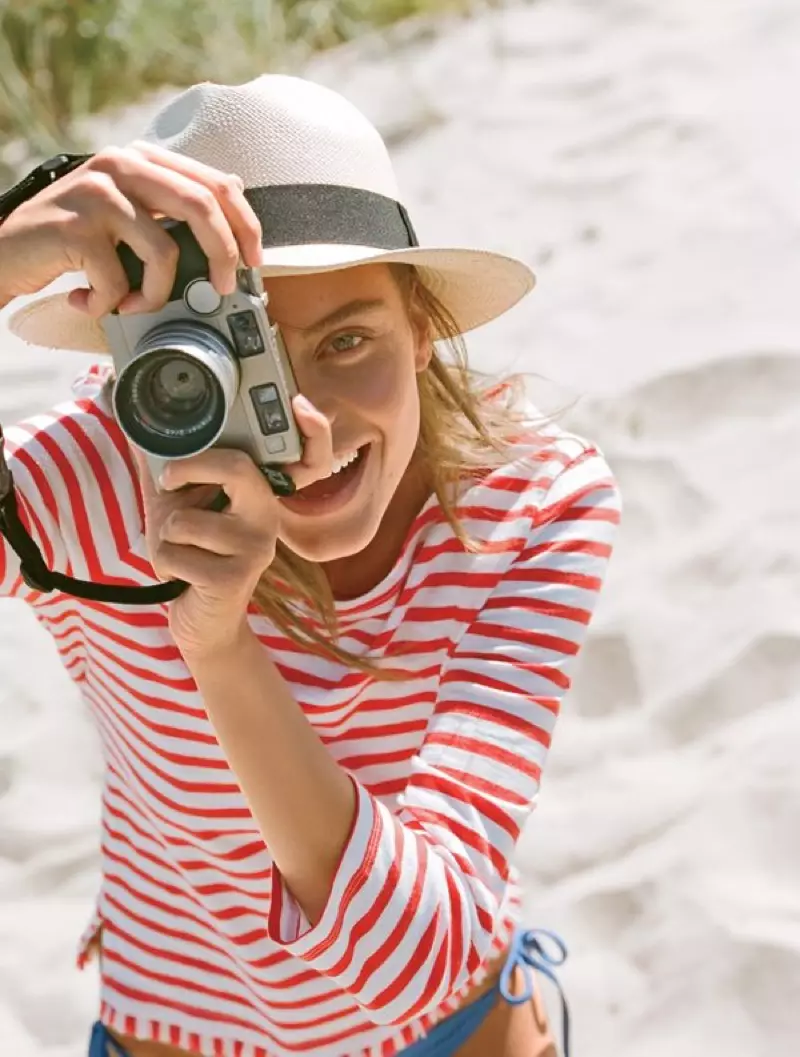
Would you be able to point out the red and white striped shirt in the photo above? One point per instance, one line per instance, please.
(203, 944)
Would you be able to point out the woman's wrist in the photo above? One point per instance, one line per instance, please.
(226, 648)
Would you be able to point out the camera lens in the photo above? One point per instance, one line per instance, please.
(175, 397)
(172, 399)
(177, 386)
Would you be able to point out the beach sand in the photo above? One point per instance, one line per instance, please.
(645, 157)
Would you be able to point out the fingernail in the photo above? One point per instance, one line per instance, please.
(303, 404)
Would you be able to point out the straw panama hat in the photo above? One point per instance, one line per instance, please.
(319, 176)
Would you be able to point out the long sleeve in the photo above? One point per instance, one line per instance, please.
(29, 458)
(418, 894)
(76, 494)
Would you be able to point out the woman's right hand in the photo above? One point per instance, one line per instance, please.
(76, 223)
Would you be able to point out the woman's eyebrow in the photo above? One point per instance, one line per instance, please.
(338, 315)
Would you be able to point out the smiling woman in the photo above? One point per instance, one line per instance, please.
(320, 756)
(435, 420)
(357, 360)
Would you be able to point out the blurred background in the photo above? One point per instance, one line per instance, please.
(644, 157)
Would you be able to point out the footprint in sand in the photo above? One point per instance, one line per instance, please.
(767, 670)
(765, 974)
(681, 405)
(606, 680)
(607, 913)
(658, 498)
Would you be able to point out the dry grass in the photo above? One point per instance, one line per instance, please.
(61, 60)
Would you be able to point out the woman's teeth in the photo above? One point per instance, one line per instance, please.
(343, 460)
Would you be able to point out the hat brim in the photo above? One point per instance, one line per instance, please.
(475, 286)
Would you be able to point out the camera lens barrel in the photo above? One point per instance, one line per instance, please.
(173, 397)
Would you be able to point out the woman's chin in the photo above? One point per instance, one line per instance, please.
(332, 545)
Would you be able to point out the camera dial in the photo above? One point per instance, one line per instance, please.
(201, 298)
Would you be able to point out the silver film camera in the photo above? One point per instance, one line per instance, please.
(206, 370)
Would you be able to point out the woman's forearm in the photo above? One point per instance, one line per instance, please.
(301, 799)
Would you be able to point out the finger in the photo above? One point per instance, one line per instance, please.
(109, 288)
(234, 471)
(158, 251)
(221, 534)
(317, 460)
(228, 189)
(175, 561)
(108, 283)
(199, 496)
(167, 191)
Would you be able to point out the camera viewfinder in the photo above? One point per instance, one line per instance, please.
(269, 409)
(246, 334)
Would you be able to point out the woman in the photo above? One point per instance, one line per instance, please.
(320, 756)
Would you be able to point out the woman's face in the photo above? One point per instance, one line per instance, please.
(356, 347)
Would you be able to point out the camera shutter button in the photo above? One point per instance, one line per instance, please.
(201, 298)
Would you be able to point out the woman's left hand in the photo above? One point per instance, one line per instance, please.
(221, 555)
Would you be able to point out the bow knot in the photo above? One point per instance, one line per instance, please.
(543, 951)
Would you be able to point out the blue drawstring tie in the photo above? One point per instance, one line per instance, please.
(528, 951)
(103, 1043)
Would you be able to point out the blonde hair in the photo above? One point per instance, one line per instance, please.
(467, 423)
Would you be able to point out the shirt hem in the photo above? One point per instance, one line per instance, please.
(202, 1044)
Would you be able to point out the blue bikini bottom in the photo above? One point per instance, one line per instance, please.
(526, 951)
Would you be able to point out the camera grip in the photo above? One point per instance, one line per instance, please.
(192, 262)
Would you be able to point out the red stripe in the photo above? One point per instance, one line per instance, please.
(475, 677)
(33, 524)
(498, 755)
(78, 514)
(449, 789)
(544, 606)
(455, 933)
(368, 924)
(470, 838)
(484, 713)
(38, 478)
(158, 704)
(166, 652)
(382, 954)
(107, 494)
(505, 633)
(410, 970)
(97, 695)
(114, 434)
(182, 684)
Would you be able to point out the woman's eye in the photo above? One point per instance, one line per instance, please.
(346, 342)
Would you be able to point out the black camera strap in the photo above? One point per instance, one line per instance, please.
(34, 571)
(33, 568)
(39, 178)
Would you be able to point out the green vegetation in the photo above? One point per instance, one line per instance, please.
(63, 59)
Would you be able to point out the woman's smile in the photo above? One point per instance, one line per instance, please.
(331, 494)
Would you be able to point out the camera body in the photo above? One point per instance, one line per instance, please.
(206, 370)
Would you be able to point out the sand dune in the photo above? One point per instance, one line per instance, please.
(644, 156)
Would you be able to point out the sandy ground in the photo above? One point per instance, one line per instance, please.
(644, 156)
